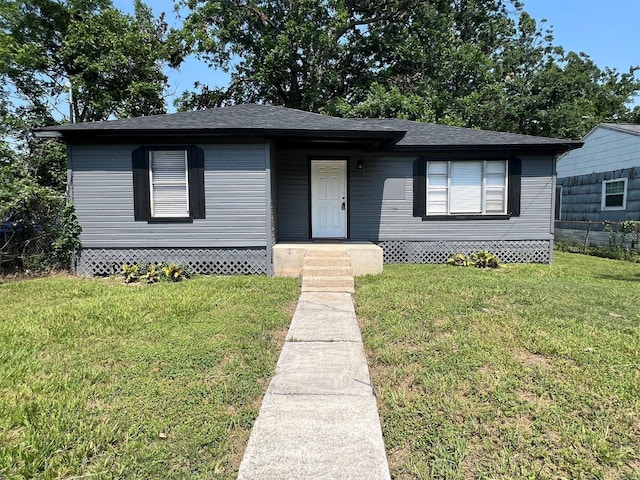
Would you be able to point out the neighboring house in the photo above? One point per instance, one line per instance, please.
(218, 188)
(599, 182)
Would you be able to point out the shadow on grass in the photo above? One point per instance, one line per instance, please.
(621, 278)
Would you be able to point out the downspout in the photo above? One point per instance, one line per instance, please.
(552, 229)
(270, 241)
(69, 195)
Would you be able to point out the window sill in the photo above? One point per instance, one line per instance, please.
(608, 209)
(438, 218)
(170, 220)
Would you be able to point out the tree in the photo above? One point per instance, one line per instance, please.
(310, 54)
(300, 54)
(476, 63)
(111, 61)
(538, 89)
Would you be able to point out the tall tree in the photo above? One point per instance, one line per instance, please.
(110, 60)
(299, 54)
(478, 63)
(537, 88)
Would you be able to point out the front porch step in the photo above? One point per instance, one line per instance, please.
(315, 261)
(327, 270)
(326, 252)
(327, 284)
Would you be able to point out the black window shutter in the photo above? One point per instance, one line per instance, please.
(141, 192)
(515, 183)
(419, 187)
(196, 182)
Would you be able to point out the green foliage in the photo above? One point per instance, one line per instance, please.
(484, 259)
(68, 237)
(480, 259)
(459, 260)
(113, 60)
(29, 213)
(37, 229)
(380, 102)
(482, 64)
(624, 239)
(154, 272)
(599, 251)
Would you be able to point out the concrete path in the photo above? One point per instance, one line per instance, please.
(319, 418)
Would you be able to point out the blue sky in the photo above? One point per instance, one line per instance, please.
(607, 30)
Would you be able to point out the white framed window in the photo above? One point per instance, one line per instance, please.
(169, 183)
(614, 194)
(467, 187)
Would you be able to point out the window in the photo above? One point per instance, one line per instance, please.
(168, 183)
(614, 194)
(466, 187)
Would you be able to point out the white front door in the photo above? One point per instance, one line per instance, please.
(329, 198)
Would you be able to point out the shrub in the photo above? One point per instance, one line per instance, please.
(458, 260)
(68, 240)
(145, 272)
(484, 259)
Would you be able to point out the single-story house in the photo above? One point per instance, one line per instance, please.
(599, 182)
(221, 189)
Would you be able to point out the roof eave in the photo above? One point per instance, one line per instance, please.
(383, 137)
(551, 148)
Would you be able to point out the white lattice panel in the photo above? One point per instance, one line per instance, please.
(525, 251)
(104, 261)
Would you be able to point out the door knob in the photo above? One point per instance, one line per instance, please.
(343, 206)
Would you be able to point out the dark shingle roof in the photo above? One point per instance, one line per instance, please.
(264, 120)
(430, 134)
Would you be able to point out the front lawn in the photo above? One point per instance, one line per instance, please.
(529, 371)
(104, 380)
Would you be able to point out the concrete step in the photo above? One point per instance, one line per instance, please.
(327, 270)
(327, 281)
(327, 261)
(328, 289)
(313, 252)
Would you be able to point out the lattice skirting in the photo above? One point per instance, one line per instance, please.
(232, 261)
(524, 251)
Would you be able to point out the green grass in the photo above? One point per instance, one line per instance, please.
(104, 380)
(529, 371)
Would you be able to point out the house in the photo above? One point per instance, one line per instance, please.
(242, 189)
(597, 183)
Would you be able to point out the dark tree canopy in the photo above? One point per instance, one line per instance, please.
(476, 63)
(112, 60)
(113, 63)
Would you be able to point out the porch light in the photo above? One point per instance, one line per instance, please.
(360, 164)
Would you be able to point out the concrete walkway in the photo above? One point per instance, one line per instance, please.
(319, 418)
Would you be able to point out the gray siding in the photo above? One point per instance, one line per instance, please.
(604, 150)
(235, 192)
(381, 203)
(582, 197)
(293, 196)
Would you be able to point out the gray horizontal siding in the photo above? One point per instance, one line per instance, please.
(292, 183)
(396, 221)
(604, 150)
(582, 197)
(381, 203)
(234, 194)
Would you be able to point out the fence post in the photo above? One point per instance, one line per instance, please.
(586, 238)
